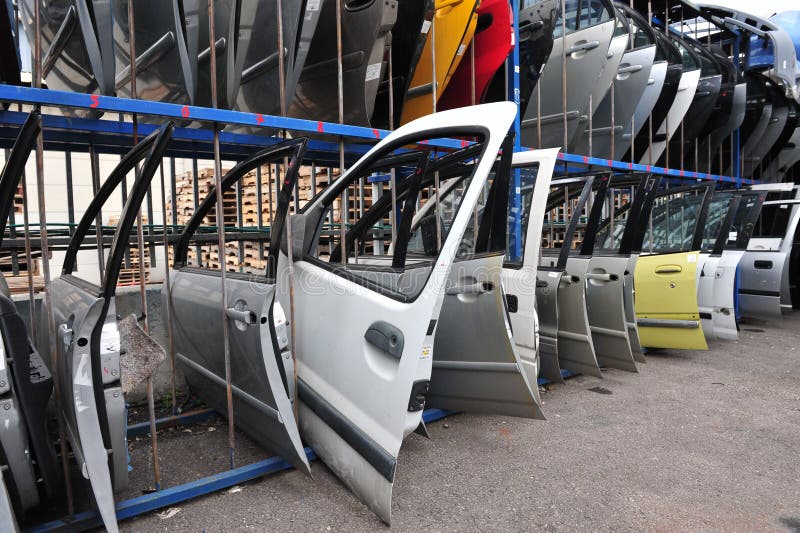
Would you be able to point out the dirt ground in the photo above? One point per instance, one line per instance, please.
(701, 441)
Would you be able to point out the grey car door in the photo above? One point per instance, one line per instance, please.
(23, 437)
(764, 289)
(72, 56)
(630, 82)
(262, 372)
(589, 29)
(560, 283)
(88, 341)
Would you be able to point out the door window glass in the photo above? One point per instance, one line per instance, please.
(518, 221)
(673, 222)
(394, 258)
(773, 221)
(717, 211)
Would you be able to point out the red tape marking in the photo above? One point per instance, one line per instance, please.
(95, 101)
(185, 111)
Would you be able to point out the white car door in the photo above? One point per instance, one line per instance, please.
(364, 333)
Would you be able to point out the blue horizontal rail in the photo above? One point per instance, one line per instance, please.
(68, 133)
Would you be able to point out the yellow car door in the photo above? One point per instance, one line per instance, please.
(665, 277)
(453, 27)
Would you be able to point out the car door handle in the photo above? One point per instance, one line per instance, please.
(385, 337)
(583, 47)
(629, 69)
(566, 280)
(541, 284)
(763, 264)
(601, 277)
(472, 288)
(669, 269)
(244, 316)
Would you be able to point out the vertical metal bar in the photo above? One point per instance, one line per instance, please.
(221, 239)
(141, 250)
(613, 118)
(391, 90)
(172, 191)
(591, 101)
(343, 207)
(40, 192)
(563, 72)
(168, 286)
(29, 256)
(434, 80)
(195, 202)
(281, 59)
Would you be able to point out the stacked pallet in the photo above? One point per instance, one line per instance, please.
(130, 273)
(245, 256)
(18, 284)
(18, 201)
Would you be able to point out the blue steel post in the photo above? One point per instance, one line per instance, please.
(515, 242)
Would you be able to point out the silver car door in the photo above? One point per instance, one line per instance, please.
(262, 374)
(366, 28)
(476, 364)
(765, 265)
(777, 121)
(589, 30)
(686, 90)
(643, 108)
(378, 321)
(532, 174)
(7, 520)
(26, 384)
(605, 281)
(722, 209)
(88, 340)
(563, 277)
(630, 82)
(786, 159)
(619, 236)
(737, 238)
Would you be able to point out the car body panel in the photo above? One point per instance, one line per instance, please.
(777, 121)
(454, 24)
(586, 55)
(492, 45)
(666, 302)
(645, 105)
(765, 277)
(72, 56)
(365, 41)
(630, 84)
(88, 340)
(260, 90)
(678, 109)
(534, 170)
(262, 375)
(536, 23)
(166, 49)
(355, 414)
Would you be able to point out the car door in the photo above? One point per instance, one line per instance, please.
(687, 87)
(71, 47)
(722, 209)
(262, 372)
(478, 365)
(535, 329)
(607, 269)
(25, 382)
(726, 278)
(765, 264)
(630, 81)
(88, 341)
(617, 236)
(366, 28)
(589, 30)
(565, 338)
(665, 279)
(377, 322)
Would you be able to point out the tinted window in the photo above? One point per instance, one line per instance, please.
(672, 223)
(717, 211)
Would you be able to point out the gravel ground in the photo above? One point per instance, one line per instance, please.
(701, 441)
